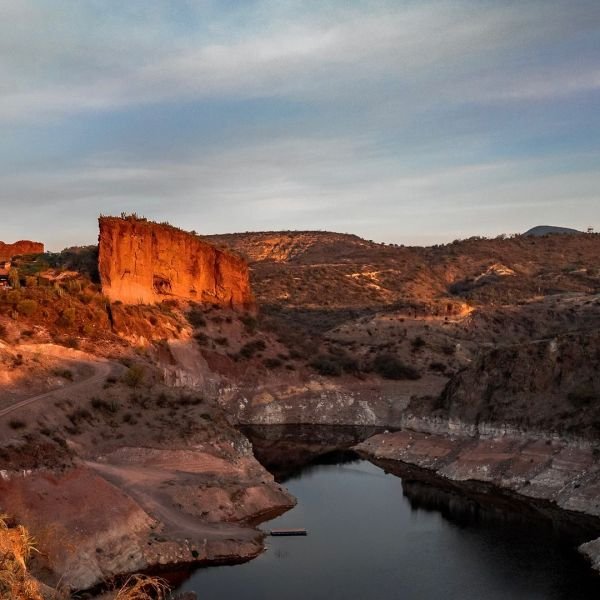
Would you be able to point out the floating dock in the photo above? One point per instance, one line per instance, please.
(281, 532)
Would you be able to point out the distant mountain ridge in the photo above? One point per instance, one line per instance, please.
(312, 269)
(550, 229)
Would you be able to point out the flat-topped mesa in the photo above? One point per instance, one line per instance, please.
(144, 262)
(8, 251)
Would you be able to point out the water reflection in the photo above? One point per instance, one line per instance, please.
(374, 535)
(288, 451)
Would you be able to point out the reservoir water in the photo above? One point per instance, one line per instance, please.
(372, 535)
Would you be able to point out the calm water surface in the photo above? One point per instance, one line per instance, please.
(368, 539)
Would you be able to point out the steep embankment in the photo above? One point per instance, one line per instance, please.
(548, 387)
(144, 262)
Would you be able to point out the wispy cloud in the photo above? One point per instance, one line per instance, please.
(419, 48)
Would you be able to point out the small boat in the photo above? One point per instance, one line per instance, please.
(281, 532)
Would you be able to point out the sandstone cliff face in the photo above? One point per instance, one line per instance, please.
(144, 262)
(7, 251)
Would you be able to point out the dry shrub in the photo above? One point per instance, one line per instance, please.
(16, 547)
(143, 587)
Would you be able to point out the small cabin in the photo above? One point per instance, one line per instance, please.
(4, 271)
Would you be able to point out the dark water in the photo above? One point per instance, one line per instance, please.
(372, 536)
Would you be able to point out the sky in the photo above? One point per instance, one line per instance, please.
(402, 121)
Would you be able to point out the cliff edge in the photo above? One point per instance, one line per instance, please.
(144, 262)
(7, 251)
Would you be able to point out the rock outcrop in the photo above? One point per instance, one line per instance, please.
(144, 262)
(7, 251)
(547, 386)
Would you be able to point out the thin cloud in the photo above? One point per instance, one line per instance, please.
(308, 60)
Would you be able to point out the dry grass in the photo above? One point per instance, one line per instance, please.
(16, 547)
(143, 587)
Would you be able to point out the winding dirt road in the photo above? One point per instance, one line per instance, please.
(101, 370)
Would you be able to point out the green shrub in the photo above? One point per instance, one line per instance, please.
(64, 373)
(78, 415)
(272, 363)
(72, 342)
(250, 323)
(327, 366)
(583, 395)
(390, 367)
(87, 329)
(104, 406)
(67, 317)
(196, 318)
(86, 298)
(249, 349)
(201, 338)
(13, 297)
(134, 376)
(129, 418)
(418, 343)
(27, 307)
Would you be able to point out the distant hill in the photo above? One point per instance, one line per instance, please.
(308, 247)
(549, 229)
(324, 270)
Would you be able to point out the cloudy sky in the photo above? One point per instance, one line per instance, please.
(399, 120)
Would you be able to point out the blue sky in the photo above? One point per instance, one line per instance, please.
(401, 121)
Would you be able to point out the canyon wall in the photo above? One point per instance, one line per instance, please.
(144, 262)
(7, 251)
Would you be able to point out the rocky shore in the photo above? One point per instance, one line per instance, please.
(549, 475)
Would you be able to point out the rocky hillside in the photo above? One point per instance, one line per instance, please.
(549, 386)
(294, 246)
(311, 269)
(144, 262)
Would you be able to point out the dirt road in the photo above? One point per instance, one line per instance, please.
(101, 369)
(142, 484)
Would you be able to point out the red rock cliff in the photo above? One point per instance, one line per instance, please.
(7, 251)
(141, 261)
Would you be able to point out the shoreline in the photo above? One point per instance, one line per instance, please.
(556, 481)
